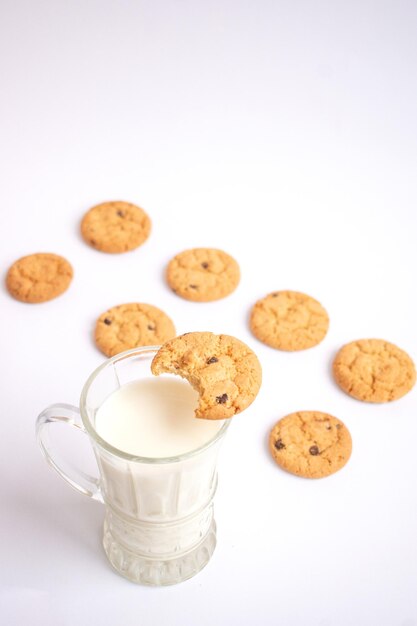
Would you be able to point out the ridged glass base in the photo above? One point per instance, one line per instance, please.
(153, 571)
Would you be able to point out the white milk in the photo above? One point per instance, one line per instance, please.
(154, 417)
(159, 525)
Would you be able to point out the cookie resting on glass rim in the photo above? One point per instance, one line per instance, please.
(224, 371)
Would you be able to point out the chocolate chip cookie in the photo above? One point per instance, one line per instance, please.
(115, 227)
(203, 274)
(224, 371)
(311, 444)
(289, 320)
(39, 277)
(374, 370)
(132, 325)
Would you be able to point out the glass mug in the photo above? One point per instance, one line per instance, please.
(159, 527)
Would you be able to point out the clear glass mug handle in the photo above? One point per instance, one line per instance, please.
(79, 480)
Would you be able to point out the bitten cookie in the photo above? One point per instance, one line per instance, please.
(39, 277)
(224, 371)
(130, 326)
(115, 226)
(374, 370)
(289, 320)
(310, 444)
(203, 274)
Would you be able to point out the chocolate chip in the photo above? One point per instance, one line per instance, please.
(204, 265)
(275, 295)
(279, 445)
(222, 399)
(120, 213)
(338, 426)
(107, 321)
(151, 327)
(193, 286)
(314, 451)
(93, 242)
(328, 427)
(213, 359)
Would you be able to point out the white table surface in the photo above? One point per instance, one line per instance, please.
(285, 133)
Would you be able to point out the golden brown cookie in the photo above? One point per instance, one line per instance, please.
(374, 370)
(224, 371)
(130, 326)
(39, 277)
(115, 227)
(310, 444)
(203, 274)
(289, 320)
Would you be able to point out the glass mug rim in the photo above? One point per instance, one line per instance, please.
(116, 451)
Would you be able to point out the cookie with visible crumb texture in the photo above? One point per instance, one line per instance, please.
(310, 444)
(203, 274)
(374, 370)
(115, 227)
(224, 371)
(39, 277)
(289, 320)
(132, 325)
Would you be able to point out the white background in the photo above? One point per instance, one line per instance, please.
(285, 133)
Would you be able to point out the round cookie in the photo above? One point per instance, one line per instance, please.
(289, 320)
(130, 326)
(224, 371)
(374, 370)
(203, 274)
(39, 277)
(310, 444)
(115, 227)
